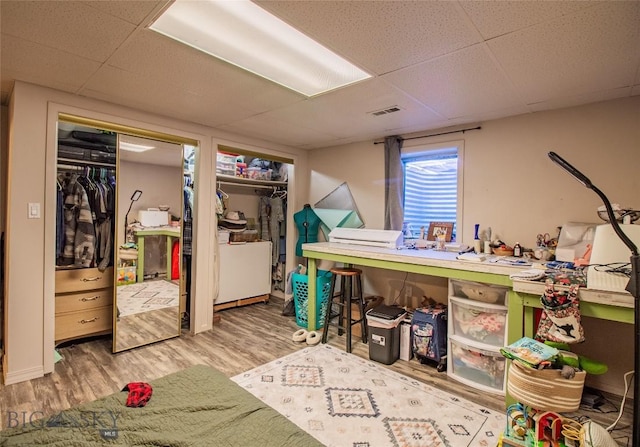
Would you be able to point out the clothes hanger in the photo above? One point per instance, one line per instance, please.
(221, 192)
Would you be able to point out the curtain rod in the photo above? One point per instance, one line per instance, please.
(435, 134)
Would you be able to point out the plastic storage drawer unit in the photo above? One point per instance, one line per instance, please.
(478, 322)
(485, 293)
(481, 367)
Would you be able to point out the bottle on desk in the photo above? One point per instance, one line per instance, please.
(517, 250)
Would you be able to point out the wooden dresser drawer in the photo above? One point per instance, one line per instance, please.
(75, 280)
(83, 323)
(85, 300)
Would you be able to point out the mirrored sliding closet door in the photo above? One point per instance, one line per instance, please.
(148, 241)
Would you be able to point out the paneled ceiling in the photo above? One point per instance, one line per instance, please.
(441, 63)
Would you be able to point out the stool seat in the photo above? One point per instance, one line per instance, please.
(345, 271)
(350, 292)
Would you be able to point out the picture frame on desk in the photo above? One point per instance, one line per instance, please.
(438, 228)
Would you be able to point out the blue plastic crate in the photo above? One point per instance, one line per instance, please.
(300, 285)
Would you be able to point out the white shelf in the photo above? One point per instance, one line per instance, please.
(241, 181)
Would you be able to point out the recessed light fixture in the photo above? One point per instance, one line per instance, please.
(242, 33)
(132, 147)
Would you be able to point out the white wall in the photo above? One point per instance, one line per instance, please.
(511, 185)
(30, 260)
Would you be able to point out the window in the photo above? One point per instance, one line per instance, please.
(431, 184)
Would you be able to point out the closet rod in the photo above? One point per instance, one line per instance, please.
(248, 185)
(86, 163)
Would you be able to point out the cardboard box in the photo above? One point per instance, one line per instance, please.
(406, 351)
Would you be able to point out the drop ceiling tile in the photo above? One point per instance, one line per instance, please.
(380, 36)
(463, 83)
(31, 62)
(341, 111)
(494, 114)
(593, 49)
(121, 87)
(175, 65)
(133, 11)
(69, 26)
(263, 126)
(577, 100)
(494, 19)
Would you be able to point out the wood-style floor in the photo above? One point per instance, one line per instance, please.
(245, 338)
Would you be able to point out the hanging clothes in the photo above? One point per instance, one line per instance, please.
(187, 221)
(79, 247)
(275, 218)
(83, 199)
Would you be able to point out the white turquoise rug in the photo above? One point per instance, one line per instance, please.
(344, 400)
(147, 296)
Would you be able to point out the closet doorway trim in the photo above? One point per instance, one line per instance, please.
(121, 128)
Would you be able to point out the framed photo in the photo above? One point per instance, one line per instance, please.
(438, 228)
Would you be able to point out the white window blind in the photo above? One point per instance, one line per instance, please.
(430, 189)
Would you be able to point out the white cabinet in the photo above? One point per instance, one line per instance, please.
(477, 330)
(245, 271)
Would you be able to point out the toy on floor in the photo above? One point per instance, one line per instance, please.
(527, 427)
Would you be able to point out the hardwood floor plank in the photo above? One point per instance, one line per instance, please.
(245, 338)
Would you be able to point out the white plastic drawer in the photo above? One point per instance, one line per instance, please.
(226, 158)
(484, 323)
(485, 293)
(480, 367)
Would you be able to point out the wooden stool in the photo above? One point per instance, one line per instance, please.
(350, 292)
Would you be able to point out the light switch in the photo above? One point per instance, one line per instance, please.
(34, 211)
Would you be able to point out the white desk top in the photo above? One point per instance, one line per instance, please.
(426, 257)
(433, 258)
(618, 299)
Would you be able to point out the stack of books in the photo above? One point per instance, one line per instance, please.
(529, 352)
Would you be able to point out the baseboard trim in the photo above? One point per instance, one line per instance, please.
(22, 376)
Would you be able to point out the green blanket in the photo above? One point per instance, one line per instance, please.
(196, 407)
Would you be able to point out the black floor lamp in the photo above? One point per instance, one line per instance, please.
(633, 287)
(134, 198)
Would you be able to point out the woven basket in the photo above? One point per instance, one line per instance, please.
(545, 389)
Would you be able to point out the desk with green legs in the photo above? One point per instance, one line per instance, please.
(171, 233)
(523, 298)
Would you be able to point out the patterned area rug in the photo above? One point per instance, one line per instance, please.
(146, 296)
(343, 400)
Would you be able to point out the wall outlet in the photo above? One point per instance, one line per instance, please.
(408, 292)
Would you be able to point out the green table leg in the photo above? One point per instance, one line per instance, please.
(515, 324)
(140, 270)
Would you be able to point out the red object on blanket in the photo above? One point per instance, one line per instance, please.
(139, 394)
(175, 260)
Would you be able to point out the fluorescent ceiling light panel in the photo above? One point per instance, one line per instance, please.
(132, 147)
(242, 33)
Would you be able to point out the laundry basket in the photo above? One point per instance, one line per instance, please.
(300, 285)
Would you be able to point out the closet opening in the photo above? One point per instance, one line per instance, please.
(252, 208)
(123, 233)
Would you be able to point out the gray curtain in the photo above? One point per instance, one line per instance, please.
(394, 184)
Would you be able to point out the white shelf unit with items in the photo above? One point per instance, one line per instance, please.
(477, 328)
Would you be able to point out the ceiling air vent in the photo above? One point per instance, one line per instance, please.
(385, 111)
